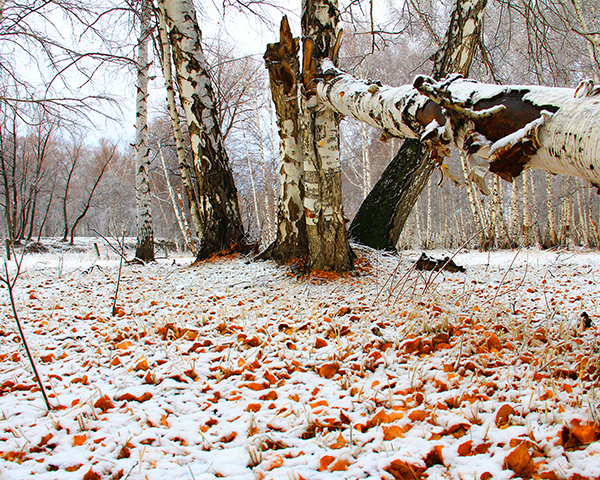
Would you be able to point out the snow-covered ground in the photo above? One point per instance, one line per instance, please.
(245, 370)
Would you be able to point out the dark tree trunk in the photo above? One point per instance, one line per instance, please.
(382, 215)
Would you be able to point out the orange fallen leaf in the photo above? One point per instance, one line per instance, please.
(340, 466)
(253, 407)
(141, 365)
(392, 432)
(272, 395)
(45, 439)
(434, 457)
(383, 417)
(83, 380)
(550, 475)
(74, 468)
(320, 403)
(464, 449)
(115, 362)
(229, 438)
(493, 342)
(339, 443)
(128, 397)
(254, 386)
(520, 462)
(413, 346)
(418, 415)
(124, 345)
(502, 416)
(586, 433)
(274, 462)
(404, 471)
(320, 343)
(325, 462)
(104, 403)
(91, 475)
(79, 440)
(328, 370)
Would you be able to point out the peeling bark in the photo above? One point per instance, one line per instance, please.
(184, 167)
(144, 249)
(217, 195)
(328, 246)
(511, 127)
(283, 65)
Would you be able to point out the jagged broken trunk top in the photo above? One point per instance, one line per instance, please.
(282, 62)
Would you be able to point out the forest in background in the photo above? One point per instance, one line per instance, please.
(54, 181)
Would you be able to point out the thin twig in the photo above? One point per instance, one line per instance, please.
(431, 280)
(122, 246)
(10, 286)
(505, 274)
(120, 252)
(388, 279)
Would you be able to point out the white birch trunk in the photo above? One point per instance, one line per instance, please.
(219, 212)
(565, 214)
(184, 168)
(429, 230)
(144, 250)
(513, 127)
(479, 224)
(268, 222)
(366, 162)
(283, 65)
(328, 246)
(185, 233)
(526, 238)
(552, 238)
(253, 185)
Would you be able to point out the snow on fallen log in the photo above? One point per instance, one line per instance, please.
(512, 127)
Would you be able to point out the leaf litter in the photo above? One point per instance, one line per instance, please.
(240, 370)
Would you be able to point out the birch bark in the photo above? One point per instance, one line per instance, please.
(283, 65)
(552, 239)
(179, 213)
(217, 196)
(512, 127)
(144, 249)
(328, 246)
(184, 167)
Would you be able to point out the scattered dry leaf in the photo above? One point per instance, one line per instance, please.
(520, 462)
(502, 417)
(404, 471)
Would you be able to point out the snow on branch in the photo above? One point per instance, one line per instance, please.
(513, 127)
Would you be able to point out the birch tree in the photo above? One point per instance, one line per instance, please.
(328, 246)
(283, 65)
(144, 250)
(184, 167)
(217, 195)
(311, 219)
(507, 127)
